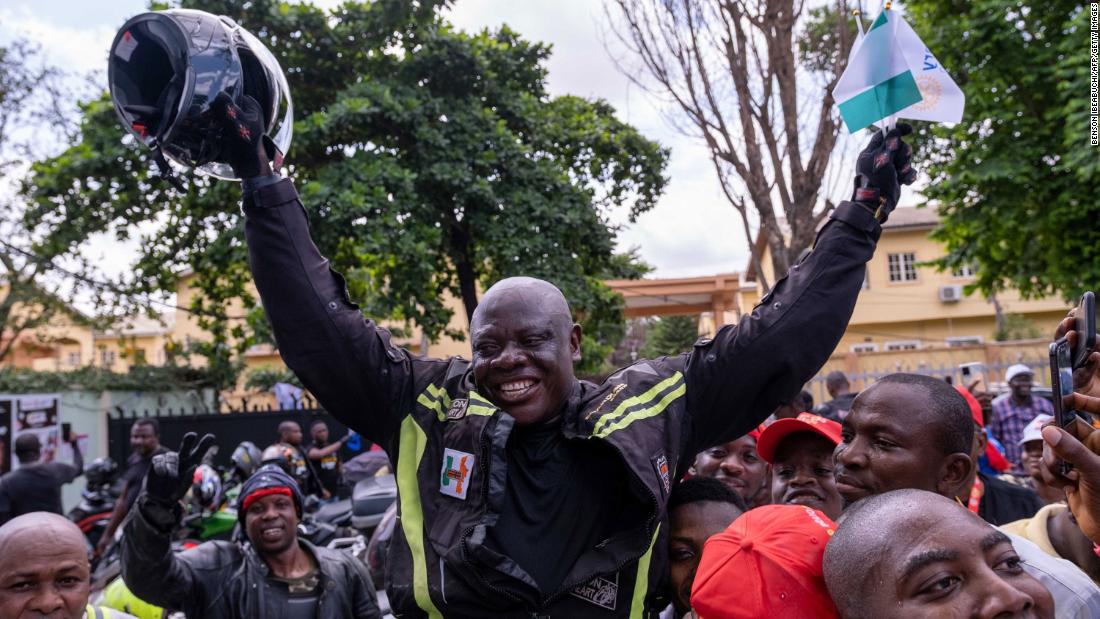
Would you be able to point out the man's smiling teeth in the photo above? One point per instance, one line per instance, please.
(518, 385)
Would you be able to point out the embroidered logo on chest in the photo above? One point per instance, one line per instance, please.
(457, 409)
(602, 591)
(458, 466)
(660, 464)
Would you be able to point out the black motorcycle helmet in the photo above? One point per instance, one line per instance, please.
(167, 67)
(246, 459)
(101, 471)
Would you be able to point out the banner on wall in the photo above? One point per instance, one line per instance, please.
(38, 414)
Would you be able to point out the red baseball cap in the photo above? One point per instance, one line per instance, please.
(972, 402)
(768, 563)
(996, 459)
(769, 439)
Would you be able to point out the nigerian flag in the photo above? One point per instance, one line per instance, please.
(877, 82)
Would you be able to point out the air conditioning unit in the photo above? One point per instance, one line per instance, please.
(951, 294)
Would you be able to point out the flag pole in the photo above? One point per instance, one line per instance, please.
(890, 120)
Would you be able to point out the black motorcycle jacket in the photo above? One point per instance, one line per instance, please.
(227, 580)
(447, 443)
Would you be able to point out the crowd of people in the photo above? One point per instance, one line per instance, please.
(701, 484)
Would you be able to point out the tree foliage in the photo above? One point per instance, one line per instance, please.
(670, 335)
(1016, 182)
(430, 161)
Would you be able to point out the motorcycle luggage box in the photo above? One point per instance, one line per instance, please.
(334, 513)
(369, 500)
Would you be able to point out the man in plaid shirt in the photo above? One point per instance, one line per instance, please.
(1012, 414)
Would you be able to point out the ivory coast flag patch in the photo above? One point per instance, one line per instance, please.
(457, 468)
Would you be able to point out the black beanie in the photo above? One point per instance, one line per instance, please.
(268, 476)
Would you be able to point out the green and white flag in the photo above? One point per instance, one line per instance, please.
(891, 73)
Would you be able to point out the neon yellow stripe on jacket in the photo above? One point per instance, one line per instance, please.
(644, 413)
(411, 450)
(635, 400)
(641, 582)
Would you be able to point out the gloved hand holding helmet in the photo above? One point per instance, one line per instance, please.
(174, 74)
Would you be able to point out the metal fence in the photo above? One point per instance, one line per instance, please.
(994, 374)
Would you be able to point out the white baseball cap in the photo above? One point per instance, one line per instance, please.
(1015, 370)
(1034, 430)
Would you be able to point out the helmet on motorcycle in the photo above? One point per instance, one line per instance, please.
(101, 471)
(167, 67)
(281, 455)
(206, 487)
(246, 459)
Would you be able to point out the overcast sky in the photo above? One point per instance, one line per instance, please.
(692, 231)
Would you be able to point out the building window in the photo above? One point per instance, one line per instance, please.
(864, 347)
(139, 356)
(903, 345)
(964, 340)
(107, 358)
(903, 267)
(74, 359)
(964, 271)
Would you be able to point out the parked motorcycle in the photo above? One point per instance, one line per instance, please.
(97, 500)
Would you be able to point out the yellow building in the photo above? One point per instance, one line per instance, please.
(906, 305)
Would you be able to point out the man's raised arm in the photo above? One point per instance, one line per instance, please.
(736, 380)
(345, 360)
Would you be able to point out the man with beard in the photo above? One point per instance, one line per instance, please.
(275, 574)
(909, 431)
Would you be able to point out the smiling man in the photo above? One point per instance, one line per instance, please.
(915, 432)
(800, 451)
(915, 554)
(274, 574)
(522, 490)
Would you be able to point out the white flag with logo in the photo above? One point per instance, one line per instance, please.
(941, 99)
(891, 73)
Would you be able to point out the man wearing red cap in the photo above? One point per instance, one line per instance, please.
(800, 452)
(766, 564)
(275, 574)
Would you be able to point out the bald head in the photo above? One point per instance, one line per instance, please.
(524, 345)
(528, 291)
(912, 553)
(43, 552)
(290, 432)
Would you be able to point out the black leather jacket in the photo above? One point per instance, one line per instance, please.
(435, 427)
(225, 579)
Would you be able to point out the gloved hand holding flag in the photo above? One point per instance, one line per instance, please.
(891, 73)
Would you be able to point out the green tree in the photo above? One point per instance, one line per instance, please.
(671, 335)
(430, 160)
(1016, 182)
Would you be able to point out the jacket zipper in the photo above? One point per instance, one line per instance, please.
(649, 532)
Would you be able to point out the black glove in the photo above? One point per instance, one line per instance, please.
(881, 169)
(243, 135)
(170, 474)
